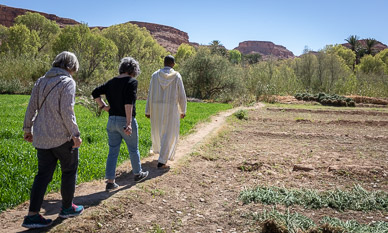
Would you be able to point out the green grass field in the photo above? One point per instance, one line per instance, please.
(18, 163)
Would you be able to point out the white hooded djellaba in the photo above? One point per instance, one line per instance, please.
(166, 101)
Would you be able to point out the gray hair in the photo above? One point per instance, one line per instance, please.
(129, 65)
(66, 60)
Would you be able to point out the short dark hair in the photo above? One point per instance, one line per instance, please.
(169, 60)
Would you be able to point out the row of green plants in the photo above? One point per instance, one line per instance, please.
(327, 99)
(355, 199)
(276, 221)
(18, 163)
(209, 72)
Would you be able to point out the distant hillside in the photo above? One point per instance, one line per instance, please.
(8, 15)
(168, 37)
(265, 48)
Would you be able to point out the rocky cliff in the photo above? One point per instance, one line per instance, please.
(265, 48)
(168, 37)
(8, 15)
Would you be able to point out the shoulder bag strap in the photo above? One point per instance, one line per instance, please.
(48, 95)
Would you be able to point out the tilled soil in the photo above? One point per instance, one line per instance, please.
(200, 193)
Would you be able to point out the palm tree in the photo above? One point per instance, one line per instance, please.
(217, 48)
(356, 48)
(370, 43)
(353, 41)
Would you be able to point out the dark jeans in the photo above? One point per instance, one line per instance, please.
(47, 162)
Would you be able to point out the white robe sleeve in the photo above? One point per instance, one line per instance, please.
(149, 98)
(182, 100)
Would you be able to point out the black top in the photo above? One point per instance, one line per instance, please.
(118, 92)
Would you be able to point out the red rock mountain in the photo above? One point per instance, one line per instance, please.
(265, 48)
(168, 37)
(8, 15)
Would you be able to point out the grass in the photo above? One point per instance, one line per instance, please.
(18, 163)
(275, 221)
(355, 199)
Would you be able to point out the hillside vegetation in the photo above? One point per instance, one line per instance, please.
(209, 72)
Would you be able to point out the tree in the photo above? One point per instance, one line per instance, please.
(135, 42)
(19, 40)
(45, 28)
(217, 48)
(3, 38)
(184, 52)
(371, 77)
(371, 65)
(353, 41)
(331, 69)
(346, 54)
(92, 49)
(383, 56)
(234, 56)
(305, 69)
(251, 58)
(356, 48)
(370, 43)
(208, 76)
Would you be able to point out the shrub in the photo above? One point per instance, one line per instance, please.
(210, 76)
(326, 99)
(241, 114)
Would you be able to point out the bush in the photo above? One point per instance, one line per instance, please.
(210, 76)
(241, 114)
(14, 87)
(326, 99)
(23, 68)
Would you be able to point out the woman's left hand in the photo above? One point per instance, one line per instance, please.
(128, 130)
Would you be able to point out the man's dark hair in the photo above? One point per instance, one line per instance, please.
(169, 61)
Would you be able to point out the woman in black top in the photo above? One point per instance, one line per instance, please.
(120, 92)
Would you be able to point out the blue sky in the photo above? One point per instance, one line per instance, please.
(291, 23)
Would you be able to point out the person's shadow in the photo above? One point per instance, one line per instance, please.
(125, 180)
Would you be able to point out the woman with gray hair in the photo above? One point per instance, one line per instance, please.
(120, 92)
(51, 126)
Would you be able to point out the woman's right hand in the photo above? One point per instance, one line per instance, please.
(28, 137)
(77, 142)
(128, 130)
(105, 108)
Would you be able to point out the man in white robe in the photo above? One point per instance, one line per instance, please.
(166, 104)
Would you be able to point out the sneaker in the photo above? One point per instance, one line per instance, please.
(142, 176)
(71, 212)
(163, 166)
(111, 186)
(36, 221)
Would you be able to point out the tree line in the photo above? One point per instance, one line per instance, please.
(209, 71)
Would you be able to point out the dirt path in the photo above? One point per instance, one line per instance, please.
(93, 193)
(201, 191)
